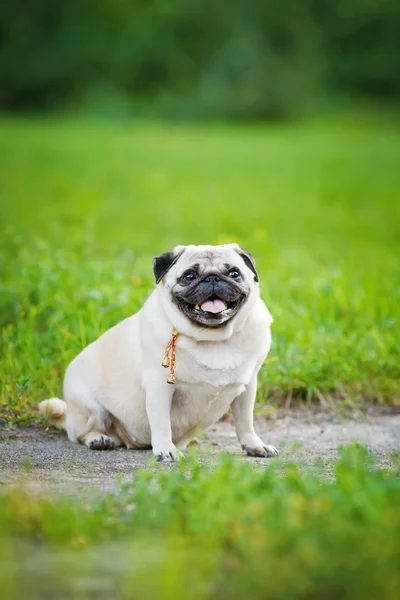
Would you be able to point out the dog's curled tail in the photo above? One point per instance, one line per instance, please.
(55, 411)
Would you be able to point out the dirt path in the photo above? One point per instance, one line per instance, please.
(46, 459)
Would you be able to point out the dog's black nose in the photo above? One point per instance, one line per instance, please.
(212, 279)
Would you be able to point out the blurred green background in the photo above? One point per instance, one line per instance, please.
(130, 127)
(199, 59)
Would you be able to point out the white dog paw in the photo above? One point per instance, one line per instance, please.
(100, 442)
(173, 454)
(263, 451)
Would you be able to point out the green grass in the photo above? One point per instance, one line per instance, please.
(84, 207)
(228, 531)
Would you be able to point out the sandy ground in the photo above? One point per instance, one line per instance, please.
(47, 460)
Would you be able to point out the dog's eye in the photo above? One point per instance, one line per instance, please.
(234, 273)
(189, 276)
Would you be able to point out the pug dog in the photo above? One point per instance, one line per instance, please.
(206, 323)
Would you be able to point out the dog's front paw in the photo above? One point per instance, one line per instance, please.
(263, 451)
(171, 455)
(100, 442)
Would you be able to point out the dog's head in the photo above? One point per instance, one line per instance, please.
(209, 285)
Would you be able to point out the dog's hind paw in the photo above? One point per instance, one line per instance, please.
(101, 442)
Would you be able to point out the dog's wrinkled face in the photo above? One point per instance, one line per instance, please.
(208, 284)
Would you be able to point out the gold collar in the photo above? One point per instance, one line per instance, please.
(170, 362)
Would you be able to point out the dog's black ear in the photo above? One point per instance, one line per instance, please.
(250, 262)
(163, 263)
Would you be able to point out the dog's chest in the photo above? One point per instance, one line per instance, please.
(216, 365)
(200, 405)
(208, 378)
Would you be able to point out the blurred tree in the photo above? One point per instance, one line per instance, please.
(199, 59)
(363, 45)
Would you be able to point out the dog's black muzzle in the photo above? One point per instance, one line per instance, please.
(210, 287)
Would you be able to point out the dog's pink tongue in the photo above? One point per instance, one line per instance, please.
(213, 306)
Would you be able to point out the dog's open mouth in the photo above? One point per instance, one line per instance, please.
(213, 311)
(214, 305)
